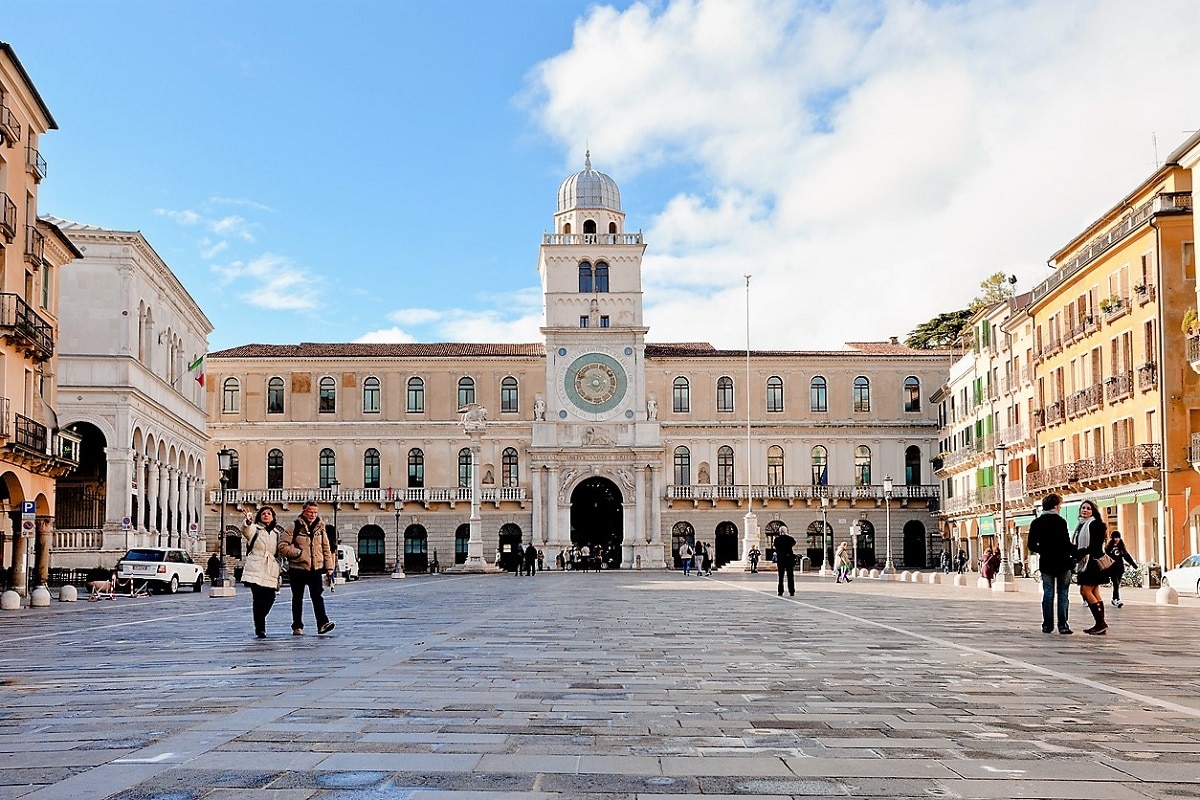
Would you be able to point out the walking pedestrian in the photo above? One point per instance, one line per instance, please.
(961, 561)
(1049, 538)
(754, 555)
(310, 561)
(989, 565)
(1115, 549)
(698, 559)
(530, 559)
(785, 559)
(1088, 541)
(685, 557)
(260, 568)
(844, 562)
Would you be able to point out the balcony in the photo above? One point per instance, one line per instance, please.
(1147, 376)
(384, 498)
(8, 218)
(1193, 351)
(10, 128)
(1085, 400)
(1144, 293)
(1194, 451)
(1118, 386)
(1112, 467)
(21, 325)
(1055, 413)
(740, 494)
(1114, 307)
(35, 246)
(591, 238)
(1038, 420)
(35, 165)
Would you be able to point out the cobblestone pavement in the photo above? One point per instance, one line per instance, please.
(602, 685)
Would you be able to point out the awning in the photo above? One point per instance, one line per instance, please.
(1022, 521)
(1125, 499)
(1148, 497)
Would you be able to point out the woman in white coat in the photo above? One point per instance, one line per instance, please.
(260, 568)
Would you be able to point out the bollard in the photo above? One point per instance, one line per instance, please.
(934, 577)
(10, 601)
(39, 598)
(1166, 596)
(916, 577)
(68, 594)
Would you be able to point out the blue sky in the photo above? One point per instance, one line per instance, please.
(383, 171)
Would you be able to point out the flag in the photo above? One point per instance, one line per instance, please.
(197, 366)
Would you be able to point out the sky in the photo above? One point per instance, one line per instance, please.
(383, 170)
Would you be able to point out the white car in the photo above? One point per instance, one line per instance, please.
(347, 564)
(1185, 577)
(162, 568)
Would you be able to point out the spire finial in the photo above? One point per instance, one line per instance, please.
(587, 156)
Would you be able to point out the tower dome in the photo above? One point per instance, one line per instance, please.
(589, 189)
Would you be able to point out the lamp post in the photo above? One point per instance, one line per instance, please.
(221, 587)
(335, 485)
(889, 569)
(398, 568)
(854, 547)
(1005, 582)
(826, 560)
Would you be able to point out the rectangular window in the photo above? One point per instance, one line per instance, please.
(371, 396)
(1189, 261)
(583, 321)
(604, 321)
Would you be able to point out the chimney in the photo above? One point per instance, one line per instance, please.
(895, 340)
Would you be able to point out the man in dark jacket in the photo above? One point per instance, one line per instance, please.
(1049, 538)
(785, 559)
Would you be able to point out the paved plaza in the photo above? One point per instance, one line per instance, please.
(601, 685)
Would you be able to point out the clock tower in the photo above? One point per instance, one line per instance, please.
(596, 450)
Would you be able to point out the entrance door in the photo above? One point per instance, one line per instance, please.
(725, 543)
(510, 539)
(915, 555)
(371, 557)
(596, 520)
(416, 549)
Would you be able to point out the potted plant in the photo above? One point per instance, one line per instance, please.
(1140, 288)
(1190, 322)
(1111, 303)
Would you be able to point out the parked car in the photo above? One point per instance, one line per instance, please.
(1185, 577)
(347, 564)
(164, 569)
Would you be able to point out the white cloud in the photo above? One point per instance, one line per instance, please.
(392, 335)
(515, 317)
(868, 162)
(276, 283)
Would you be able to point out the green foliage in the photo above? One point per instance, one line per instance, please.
(940, 332)
(993, 289)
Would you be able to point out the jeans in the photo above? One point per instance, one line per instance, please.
(313, 580)
(1055, 585)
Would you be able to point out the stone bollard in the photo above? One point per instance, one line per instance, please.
(960, 579)
(10, 601)
(68, 594)
(874, 573)
(1166, 596)
(934, 577)
(982, 583)
(905, 576)
(39, 598)
(915, 577)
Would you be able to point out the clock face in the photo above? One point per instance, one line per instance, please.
(595, 383)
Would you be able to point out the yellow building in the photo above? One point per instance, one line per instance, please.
(1115, 397)
(33, 451)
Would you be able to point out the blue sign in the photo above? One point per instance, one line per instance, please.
(28, 507)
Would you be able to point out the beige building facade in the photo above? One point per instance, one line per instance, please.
(593, 436)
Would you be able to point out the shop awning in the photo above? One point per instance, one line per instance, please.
(1148, 497)
(1022, 521)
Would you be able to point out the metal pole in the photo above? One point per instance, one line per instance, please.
(1006, 582)
(221, 534)
(889, 568)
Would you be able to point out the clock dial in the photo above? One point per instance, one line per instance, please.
(595, 383)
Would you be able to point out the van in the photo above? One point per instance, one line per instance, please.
(347, 563)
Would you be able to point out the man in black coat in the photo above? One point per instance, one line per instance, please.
(1049, 538)
(785, 559)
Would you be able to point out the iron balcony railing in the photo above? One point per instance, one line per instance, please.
(1147, 376)
(1194, 450)
(29, 434)
(35, 246)
(17, 318)
(10, 127)
(8, 217)
(1193, 351)
(1118, 386)
(1120, 462)
(35, 164)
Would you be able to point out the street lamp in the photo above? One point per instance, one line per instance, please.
(854, 547)
(335, 485)
(1006, 583)
(397, 568)
(889, 569)
(224, 464)
(826, 561)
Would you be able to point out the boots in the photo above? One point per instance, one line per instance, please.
(1098, 614)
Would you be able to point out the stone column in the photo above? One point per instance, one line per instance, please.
(149, 504)
(537, 478)
(551, 507)
(164, 485)
(171, 515)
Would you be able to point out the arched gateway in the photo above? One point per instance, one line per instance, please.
(596, 519)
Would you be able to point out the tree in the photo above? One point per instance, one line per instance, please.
(993, 289)
(940, 332)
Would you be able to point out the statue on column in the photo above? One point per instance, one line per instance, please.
(473, 417)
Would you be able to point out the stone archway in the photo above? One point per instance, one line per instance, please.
(597, 519)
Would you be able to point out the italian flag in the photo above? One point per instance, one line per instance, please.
(197, 366)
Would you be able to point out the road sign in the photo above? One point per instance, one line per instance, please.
(126, 523)
(28, 507)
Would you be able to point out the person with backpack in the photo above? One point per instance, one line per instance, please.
(310, 562)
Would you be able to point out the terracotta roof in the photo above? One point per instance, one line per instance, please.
(380, 350)
(891, 349)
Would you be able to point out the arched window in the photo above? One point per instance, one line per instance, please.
(371, 396)
(416, 468)
(774, 394)
(275, 469)
(508, 396)
(820, 466)
(230, 391)
(775, 465)
(601, 276)
(326, 468)
(912, 394)
(725, 466)
(508, 467)
(683, 466)
(589, 226)
(275, 396)
(464, 467)
(612, 227)
(327, 402)
(585, 277)
(416, 396)
(371, 468)
(466, 391)
(862, 465)
(681, 395)
(725, 394)
(818, 397)
(862, 394)
(912, 466)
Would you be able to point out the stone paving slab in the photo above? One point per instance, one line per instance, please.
(617, 685)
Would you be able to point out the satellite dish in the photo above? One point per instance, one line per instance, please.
(1012, 279)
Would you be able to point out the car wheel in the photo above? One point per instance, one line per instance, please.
(198, 586)
(173, 586)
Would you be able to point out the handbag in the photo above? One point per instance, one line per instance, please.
(1104, 562)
